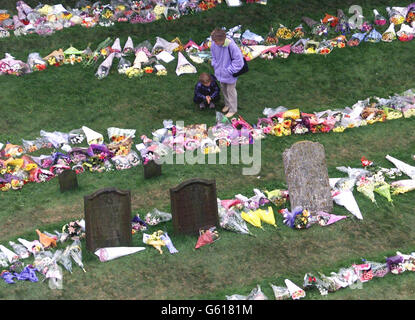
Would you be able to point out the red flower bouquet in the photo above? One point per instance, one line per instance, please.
(207, 236)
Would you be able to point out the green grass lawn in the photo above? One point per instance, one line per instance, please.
(69, 97)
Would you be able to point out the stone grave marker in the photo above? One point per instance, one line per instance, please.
(194, 206)
(108, 218)
(68, 180)
(307, 176)
(152, 169)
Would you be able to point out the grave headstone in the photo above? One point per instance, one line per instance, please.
(108, 219)
(68, 180)
(307, 176)
(194, 206)
(151, 169)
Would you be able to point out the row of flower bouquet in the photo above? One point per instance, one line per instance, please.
(233, 215)
(148, 58)
(18, 167)
(369, 180)
(49, 252)
(45, 19)
(324, 36)
(349, 277)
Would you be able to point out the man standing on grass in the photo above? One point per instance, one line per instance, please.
(227, 59)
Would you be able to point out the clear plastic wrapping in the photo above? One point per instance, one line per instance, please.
(280, 293)
(390, 34)
(231, 220)
(396, 14)
(56, 138)
(379, 269)
(123, 65)
(104, 68)
(76, 136)
(35, 62)
(156, 216)
(21, 250)
(75, 252)
(257, 294)
(126, 162)
(3, 260)
(65, 259)
(42, 261)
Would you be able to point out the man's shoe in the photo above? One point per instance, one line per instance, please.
(230, 114)
(225, 109)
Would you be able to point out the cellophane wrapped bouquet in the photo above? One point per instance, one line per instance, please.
(207, 235)
(298, 32)
(123, 65)
(330, 20)
(271, 37)
(410, 16)
(373, 36)
(396, 14)
(342, 26)
(299, 46)
(324, 47)
(310, 281)
(156, 216)
(378, 269)
(277, 196)
(97, 53)
(280, 293)
(355, 39)
(298, 218)
(311, 47)
(255, 294)
(406, 33)
(338, 42)
(389, 35)
(74, 230)
(155, 240)
(284, 33)
(230, 219)
(317, 29)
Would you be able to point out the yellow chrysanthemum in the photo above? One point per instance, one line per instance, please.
(159, 10)
(30, 167)
(339, 129)
(108, 14)
(277, 130)
(286, 131)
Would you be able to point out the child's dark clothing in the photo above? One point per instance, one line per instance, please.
(201, 91)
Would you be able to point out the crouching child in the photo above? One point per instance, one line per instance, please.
(206, 91)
